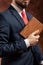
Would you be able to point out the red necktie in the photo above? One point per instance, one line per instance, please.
(24, 17)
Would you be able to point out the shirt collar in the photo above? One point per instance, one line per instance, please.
(17, 9)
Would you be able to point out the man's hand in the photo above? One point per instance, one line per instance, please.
(33, 38)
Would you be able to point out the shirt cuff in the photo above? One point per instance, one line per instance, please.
(41, 62)
(27, 42)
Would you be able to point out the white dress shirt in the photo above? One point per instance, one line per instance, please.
(19, 11)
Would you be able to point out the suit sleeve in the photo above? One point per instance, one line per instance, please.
(9, 48)
(37, 54)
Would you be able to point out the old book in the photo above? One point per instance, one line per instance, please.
(32, 26)
(0, 60)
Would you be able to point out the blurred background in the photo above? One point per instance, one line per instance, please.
(4, 4)
(35, 8)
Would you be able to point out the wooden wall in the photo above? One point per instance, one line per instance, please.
(4, 4)
(36, 9)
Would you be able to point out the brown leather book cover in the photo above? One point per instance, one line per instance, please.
(32, 26)
(0, 60)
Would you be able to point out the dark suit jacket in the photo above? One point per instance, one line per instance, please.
(13, 49)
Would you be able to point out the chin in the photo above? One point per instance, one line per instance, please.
(24, 5)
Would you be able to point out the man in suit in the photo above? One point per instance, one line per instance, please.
(15, 49)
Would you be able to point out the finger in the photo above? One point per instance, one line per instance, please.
(37, 36)
(37, 40)
(36, 32)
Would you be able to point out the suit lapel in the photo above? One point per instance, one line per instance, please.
(29, 16)
(18, 17)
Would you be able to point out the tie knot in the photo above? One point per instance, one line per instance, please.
(23, 13)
